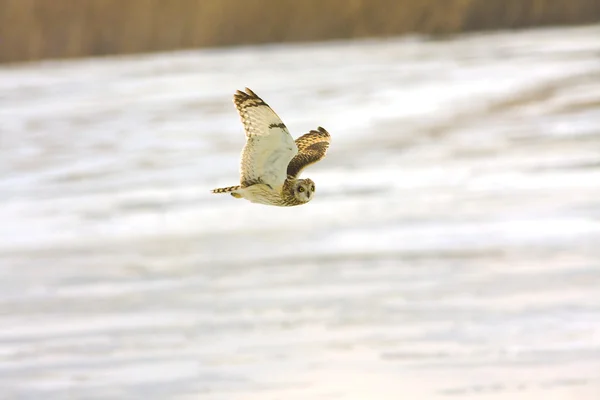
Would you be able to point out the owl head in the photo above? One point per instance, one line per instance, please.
(304, 190)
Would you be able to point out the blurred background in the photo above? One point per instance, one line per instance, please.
(37, 29)
(451, 250)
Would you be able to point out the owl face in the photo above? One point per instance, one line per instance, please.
(304, 190)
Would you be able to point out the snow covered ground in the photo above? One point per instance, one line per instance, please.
(452, 250)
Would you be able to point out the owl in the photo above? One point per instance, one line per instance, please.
(271, 160)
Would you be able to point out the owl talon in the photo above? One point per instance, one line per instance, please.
(236, 195)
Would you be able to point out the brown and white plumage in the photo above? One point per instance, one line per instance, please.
(312, 147)
(271, 160)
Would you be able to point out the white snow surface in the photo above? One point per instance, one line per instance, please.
(452, 249)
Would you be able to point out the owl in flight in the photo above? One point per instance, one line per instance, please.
(271, 160)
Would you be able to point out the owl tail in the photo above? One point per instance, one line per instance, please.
(228, 189)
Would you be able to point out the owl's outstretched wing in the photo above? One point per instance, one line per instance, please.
(269, 146)
(312, 147)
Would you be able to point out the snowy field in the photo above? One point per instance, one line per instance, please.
(452, 250)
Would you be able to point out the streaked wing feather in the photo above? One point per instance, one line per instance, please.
(312, 147)
(269, 145)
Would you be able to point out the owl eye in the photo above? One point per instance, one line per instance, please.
(312, 188)
(301, 189)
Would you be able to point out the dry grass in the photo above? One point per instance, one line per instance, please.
(35, 29)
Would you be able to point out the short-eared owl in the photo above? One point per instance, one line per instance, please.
(271, 160)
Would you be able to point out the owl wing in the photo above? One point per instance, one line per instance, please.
(312, 147)
(269, 146)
